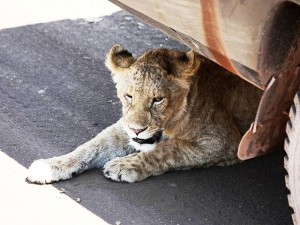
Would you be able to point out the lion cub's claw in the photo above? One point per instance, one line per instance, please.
(122, 170)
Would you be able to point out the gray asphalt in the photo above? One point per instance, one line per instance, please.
(55, 94)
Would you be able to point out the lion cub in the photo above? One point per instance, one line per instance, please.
(180, 111)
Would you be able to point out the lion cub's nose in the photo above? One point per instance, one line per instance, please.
(137, 131)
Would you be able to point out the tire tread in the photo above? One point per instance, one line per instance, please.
(292, 160)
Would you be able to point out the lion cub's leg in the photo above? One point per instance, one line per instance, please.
(171, 155)
(108, 144)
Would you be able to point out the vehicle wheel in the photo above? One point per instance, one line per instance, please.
(292, 160)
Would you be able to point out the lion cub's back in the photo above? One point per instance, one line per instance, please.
(236, 95)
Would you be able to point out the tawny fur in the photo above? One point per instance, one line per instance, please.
(200, 109)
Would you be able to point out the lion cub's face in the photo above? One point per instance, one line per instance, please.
(152, 89)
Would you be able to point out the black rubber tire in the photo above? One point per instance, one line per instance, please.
(292, 160)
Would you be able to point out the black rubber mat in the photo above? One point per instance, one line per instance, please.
(55, 94)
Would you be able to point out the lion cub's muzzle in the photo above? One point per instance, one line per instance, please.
(137, 131)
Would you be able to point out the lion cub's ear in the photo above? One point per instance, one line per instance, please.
(187, 65)
(119, 60)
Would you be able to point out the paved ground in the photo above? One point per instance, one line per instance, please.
(55, 94)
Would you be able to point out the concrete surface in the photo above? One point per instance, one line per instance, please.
(55, 94)
(25, 204)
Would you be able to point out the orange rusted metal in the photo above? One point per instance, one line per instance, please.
(213, 37)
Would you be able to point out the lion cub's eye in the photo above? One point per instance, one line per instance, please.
(158, 100)
(128, 97)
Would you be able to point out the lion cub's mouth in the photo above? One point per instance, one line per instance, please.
(155, 138)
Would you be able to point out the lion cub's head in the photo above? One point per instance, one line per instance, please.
(153, 90)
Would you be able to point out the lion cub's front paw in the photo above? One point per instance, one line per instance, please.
(40, 173)
(124, 169)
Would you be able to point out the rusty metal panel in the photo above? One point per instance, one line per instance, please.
(268, 130)
(279, 63)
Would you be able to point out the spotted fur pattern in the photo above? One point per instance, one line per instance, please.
(180, 111)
